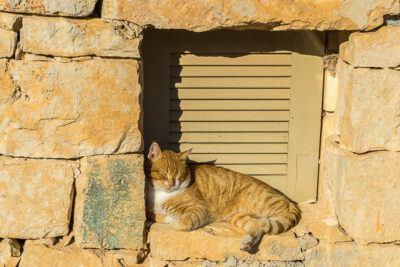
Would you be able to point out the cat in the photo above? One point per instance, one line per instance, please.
(191, 196)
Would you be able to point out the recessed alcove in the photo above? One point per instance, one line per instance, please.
(245, 100)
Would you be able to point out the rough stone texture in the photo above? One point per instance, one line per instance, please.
(330, 92)
(69, 110)
(43, 256)
(168, 244)
(72, 38)
(373, 49)
(366, 195)
(73, 8)
(275, 14)
(369, 101)
(10, 251)
(318, 222)
(8, 43)
(35, 197)
(39, 255)
(11, 22)
(9, 248)
(110, 209)
(122, 258)
(326, 171)
(350, 255)
(10, 262)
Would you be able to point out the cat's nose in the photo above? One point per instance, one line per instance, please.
(170, 184)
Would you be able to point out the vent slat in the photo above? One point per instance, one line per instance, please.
(228, 137)
(231, 148)
(229, 116)
(232, 59)
(230, 71)
(229, 126)
(239, 158)
(229, 94)
(230, 82)
(229, 105)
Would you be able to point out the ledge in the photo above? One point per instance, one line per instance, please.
(220, 241)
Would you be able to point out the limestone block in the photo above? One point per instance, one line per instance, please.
(72, 8)
(72, 38)
(36, 197)
(109, 208)
(206, 15)
(10, 251)
(169, 244)
(373, 49)
(369, 101)
(366, 195)
(43, 256)
(330, 92)
(326, 171)
(122, 258)
(9, 248)
(11, 22)
(350, 255)
(318, 225)
(71, 109)
(10, 262)
(8, 43)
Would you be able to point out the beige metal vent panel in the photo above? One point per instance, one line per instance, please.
(235, 95)
(247, 101)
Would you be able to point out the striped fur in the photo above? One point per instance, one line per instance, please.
(191, 196)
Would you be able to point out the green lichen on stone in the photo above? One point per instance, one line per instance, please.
(113, 212)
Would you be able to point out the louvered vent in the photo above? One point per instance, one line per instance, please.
(233, 110)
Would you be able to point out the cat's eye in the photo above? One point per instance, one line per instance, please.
(156, 175)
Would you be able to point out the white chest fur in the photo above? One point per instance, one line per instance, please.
(157, 198)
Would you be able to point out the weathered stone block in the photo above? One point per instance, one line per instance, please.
(318, 224)
(110, 209)
(43, 256)
(9, 248)
(73, 8)
(35, 197)
(169, 244)
(330, 92)
(72, 38)
(8, 43)
(274, 14)
(10, 251)
(366, 196)
(369, 101)
(350, 255)
(373, 49)
(70, 110)
(40, 255)
(11, 22)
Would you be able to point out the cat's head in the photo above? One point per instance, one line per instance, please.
(167, 170)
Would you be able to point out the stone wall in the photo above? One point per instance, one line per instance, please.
(71, 173)
(71, 146)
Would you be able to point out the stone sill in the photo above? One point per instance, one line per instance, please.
(219, 241)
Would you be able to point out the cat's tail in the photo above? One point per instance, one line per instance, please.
(282, 221)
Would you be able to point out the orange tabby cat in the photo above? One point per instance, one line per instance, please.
(191, 196)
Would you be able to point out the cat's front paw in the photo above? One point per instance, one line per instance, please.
(248, 242)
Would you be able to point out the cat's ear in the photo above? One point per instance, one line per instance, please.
(154, 152)
(184, 155)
